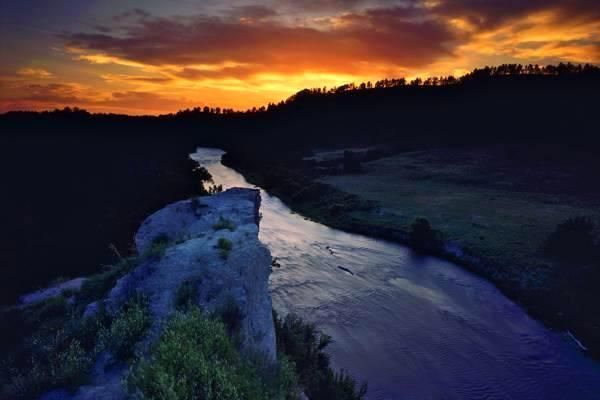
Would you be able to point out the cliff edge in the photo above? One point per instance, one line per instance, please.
(210, 244)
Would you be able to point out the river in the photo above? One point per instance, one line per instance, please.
(413, 327)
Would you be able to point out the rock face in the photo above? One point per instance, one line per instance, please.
(192, 230)
(50, 292)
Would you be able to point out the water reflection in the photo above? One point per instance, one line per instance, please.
(413, 327)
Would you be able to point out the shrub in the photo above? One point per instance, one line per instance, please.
(573, 240)
(129, 325)
(59, 363)
(201, 174)
(69, 367)
(57, 350)
(224, 223)
(215, 189)
(195, 359)
(280, 378)
(159, 246)
(224, 246)
(98, 286)
(186, 296)
(304, 346)
(47, 310)
(231, 315)
(57, 346)
(286, 385)
(422, 237)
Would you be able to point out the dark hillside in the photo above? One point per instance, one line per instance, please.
(65, 199)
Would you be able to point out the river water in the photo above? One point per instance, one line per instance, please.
(413, 327)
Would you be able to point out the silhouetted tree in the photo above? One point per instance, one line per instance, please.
(572, 241)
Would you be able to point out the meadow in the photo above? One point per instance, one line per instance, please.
(497, 209)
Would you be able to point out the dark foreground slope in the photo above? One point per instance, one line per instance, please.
(71, 199)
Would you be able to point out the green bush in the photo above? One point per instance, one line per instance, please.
(279, 377)
(572, 241)
(57, 346)
(224, 246)
(159, 246)
(98, 286)
(422, 237)
(195, 359)
(54, 308)
(224, 223)
(127, 328)
(57, 350)
(186, 296)
(304, 346)
(70, 366)
(62, 363)
(231, 315)
(215, 189)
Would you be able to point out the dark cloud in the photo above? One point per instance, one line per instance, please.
(136, 13)
(393, 35)
(253, 12)
(102, 29)
(321, 5)
(341, 5)
(137, 79)
(490, 13)
(52, 93)
(60, 95)
(240, 72)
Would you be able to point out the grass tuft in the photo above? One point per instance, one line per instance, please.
(128, 327)
(224, 246)
(186, 296)
(224, 223)
(195, 359)
(304, 345)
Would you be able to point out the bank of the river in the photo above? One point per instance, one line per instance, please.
(412, 326)
(537, 287)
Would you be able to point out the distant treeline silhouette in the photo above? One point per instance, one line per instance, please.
(477, 75)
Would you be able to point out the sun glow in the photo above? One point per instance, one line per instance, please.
(151, 64)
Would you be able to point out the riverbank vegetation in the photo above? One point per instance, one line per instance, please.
(197, 355)
(57, 342)
(195, 359)
(503, 212)
(53, 345)
(305, 346)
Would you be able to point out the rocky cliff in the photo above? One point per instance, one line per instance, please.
(210, 243)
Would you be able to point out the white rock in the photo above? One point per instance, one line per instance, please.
(192, 256)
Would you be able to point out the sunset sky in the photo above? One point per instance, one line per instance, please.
(151, 57)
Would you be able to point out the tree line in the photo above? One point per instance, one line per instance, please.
(478, 75)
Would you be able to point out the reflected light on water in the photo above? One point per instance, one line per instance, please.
(413, 327)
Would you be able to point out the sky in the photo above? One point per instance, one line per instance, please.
(155, 57)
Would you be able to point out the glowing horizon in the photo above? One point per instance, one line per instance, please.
(116, 57)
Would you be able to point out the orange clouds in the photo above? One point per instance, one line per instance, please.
(34, 73)
(252, 55)
(391, 36)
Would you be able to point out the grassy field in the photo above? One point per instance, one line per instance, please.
(498, 209)
(497, 205)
